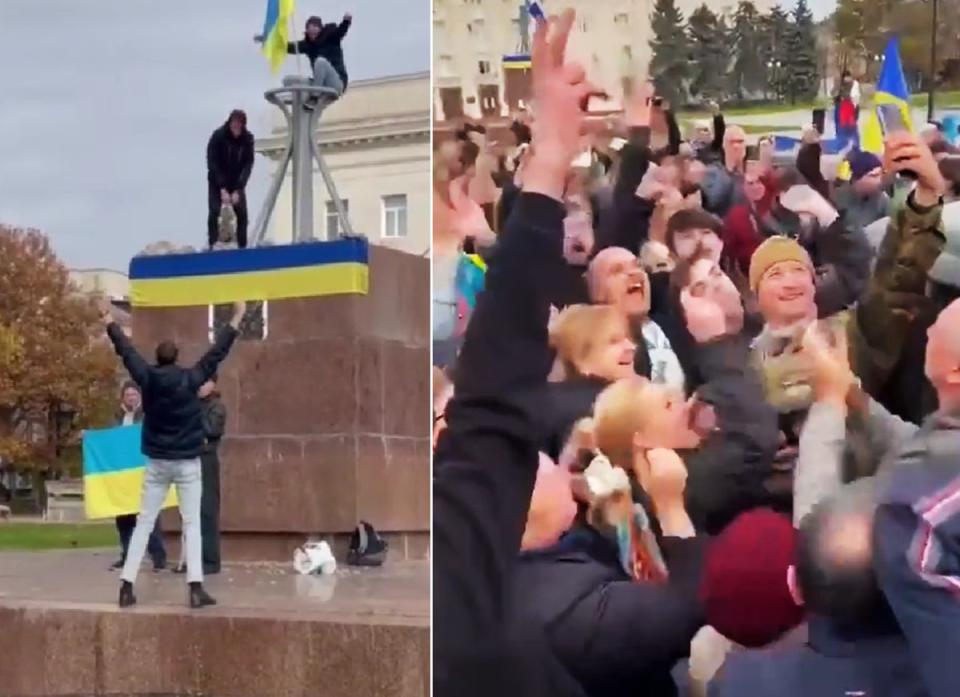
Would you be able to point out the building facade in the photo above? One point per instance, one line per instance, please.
(611, 39)
(376, 142)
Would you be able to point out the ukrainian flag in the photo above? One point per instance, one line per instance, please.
(276, 31)
(261, 273)
(113, 468)
(517, 62)
(891, 89)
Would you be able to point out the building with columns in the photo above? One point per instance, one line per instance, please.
(376, 143)
(611, 39)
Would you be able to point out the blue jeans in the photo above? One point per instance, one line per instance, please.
(157, 480)
(125, 527)
(325, 75)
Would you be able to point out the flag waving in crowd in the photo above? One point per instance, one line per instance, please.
(891, 89)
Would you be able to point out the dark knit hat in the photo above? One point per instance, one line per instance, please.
(744, 587)
(314, 20)
(862, 163)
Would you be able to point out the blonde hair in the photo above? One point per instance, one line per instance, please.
(575, 331)
(619, 413)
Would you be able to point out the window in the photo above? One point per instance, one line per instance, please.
(484, 67)
(395, 216)
(627, 53)
(253, 327)
(333, 220)
(584, 27)
(621, 18)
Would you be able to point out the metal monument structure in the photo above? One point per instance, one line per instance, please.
(302, 104)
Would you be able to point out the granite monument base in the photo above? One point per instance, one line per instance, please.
(273, 633)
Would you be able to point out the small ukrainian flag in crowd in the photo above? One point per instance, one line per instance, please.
(113, 470)
(891, 89)
(276, 31)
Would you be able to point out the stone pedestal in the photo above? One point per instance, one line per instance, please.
(328, 416)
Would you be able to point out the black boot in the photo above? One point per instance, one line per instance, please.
(199, 597)
(127, 598)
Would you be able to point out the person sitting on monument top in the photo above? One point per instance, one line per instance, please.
(321, 43)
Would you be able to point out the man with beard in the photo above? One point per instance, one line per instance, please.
(229, 164)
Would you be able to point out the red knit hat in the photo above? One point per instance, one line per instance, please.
(744, 586)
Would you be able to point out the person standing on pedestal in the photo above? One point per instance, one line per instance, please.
(173, 441)
(229, 164)
(214, 423)
(321, 44)
(131, 413)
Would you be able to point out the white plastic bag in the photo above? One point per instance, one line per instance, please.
(314, 558)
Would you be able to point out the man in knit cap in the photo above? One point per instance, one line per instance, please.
(863, 200)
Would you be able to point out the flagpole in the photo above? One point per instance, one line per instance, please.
(933, 62)
(296, 43)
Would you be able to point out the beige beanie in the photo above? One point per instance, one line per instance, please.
(773, 251)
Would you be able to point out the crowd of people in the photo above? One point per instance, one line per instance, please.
(697, 426)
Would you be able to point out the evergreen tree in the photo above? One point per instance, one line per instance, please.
(709, 54)
(748, 72)
(775, 28)
(669, 66)
(802, 75)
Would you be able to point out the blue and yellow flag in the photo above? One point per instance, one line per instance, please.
(113, 468)
(261, 273)
(276, 31)
(891, 89)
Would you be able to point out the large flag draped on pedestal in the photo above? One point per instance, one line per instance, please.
(113, 469)
(891, 89)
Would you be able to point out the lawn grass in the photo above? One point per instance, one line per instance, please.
(943, 100)
(47, 536)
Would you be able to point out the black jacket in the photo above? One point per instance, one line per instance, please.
(484, 470)
(229, 159)
(214, 422)
(173, 426)
(615, 635)
(326, 45)
(730, 471)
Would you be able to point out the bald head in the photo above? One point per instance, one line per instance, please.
(943, 355)
(834, 570)
(616, 278)
(734, 147)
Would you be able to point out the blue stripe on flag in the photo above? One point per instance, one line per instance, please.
(273, 14)
(245, 260)
(113, 450)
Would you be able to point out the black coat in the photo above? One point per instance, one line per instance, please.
(229, 159)
(214, 422)
(484, 470)
(173, 426)
(616, 636)
(326, 45)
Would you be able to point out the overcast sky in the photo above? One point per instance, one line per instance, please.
(107, 105)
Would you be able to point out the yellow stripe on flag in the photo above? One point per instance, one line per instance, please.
(279, 284)
(117, 493)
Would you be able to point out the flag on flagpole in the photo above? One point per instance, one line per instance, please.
(276, 31)
(891, 89)
(113, 469)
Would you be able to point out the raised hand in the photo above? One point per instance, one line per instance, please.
(829, 360)
(705, 318)
(560, 94)
(906, 152)
(239, 310)
(639, 107)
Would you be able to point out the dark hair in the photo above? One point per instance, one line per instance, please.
(522, 132)
(691, 219)
(315, 21)
(129, 385)
(837, 583)
(469, 152)
(167, 353)
(238, 115)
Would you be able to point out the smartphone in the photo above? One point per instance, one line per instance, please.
(891, 119)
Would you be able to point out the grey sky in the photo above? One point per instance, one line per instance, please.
(107, 106)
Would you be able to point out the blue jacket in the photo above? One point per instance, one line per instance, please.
(917, 549)
(173, 414)
(873, 662)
